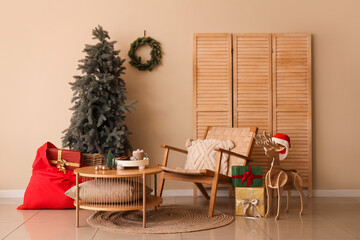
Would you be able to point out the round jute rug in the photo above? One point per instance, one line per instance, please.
(167, 219)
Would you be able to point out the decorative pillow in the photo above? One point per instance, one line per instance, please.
(108, 191)
(201, 154)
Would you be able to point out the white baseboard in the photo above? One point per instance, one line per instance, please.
(12, 193)
(337, 193)
(221, 193)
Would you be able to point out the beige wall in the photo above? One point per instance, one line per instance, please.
(41, 42)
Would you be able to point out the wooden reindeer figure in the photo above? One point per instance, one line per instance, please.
(277, 178)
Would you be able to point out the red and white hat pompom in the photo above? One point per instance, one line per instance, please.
(284, 140)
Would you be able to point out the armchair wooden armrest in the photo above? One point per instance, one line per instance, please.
(174, 148)
(166, 152)
(233, 153)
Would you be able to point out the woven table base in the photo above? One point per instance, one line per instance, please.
(167, 219)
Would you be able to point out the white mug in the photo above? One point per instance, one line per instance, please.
(139, 154)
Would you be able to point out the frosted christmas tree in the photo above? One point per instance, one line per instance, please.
(97, 124)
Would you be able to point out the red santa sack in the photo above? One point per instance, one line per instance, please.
(47, 184)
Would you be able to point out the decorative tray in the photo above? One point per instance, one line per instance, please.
(141, 164)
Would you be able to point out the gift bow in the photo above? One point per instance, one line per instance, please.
(249, 204)
(60, 164)
(248, 176)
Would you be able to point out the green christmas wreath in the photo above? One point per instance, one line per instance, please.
(155, 53)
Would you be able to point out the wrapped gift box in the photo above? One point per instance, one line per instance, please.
(250, 201)
(63, 158)
(246, 176)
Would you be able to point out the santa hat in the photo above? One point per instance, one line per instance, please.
(284, 140)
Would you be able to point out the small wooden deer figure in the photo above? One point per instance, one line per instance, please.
(277, 178)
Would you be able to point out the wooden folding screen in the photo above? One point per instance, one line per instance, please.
(212, 87)
(269, 87)
(252, 95)
(292, 99)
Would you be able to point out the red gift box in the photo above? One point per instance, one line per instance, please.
(64, 159)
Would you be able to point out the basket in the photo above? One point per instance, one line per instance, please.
(93, 159)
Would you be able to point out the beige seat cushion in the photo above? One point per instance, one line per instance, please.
(201, 154)
(108, 191)
(182, 171)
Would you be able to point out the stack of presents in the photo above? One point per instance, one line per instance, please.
(249, 192)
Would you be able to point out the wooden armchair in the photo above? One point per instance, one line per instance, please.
(243, 139)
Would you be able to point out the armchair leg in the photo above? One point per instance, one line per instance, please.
(195, 191)
(162, 179)
(161, 184)
(214, 184)
(231, 191)
(202, 190)
(214, 187)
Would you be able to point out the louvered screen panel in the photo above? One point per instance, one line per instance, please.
(212, 84)
(252, 87)
(292, 99)
(211, 118)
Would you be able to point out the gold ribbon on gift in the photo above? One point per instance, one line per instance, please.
(249, 205)
(61, 163)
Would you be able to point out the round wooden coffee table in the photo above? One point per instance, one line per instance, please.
(124, 176)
